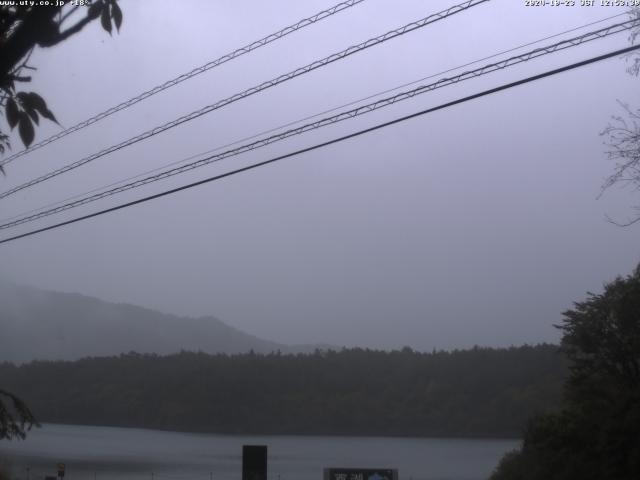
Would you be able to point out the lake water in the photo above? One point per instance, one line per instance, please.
(104, 453)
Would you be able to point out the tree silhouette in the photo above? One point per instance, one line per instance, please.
(596, 434)
(476, 392)
(15, 417)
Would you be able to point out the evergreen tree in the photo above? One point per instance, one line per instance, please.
(596, 434)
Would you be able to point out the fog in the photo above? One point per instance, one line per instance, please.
(477, 224)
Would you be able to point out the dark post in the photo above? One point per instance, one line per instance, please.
(254, 462)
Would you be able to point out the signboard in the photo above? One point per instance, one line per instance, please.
(61, 467)
(360, 473)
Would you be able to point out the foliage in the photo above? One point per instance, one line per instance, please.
(596, 434)
(623, 136)
(477, 392)
(24, 26)
(15, 417)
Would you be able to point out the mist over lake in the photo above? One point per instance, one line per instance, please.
(104, 453)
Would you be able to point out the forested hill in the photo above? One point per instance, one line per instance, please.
(477, 392)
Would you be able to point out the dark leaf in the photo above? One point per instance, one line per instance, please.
(116, 14)
(26, 130)
(94, 10)
(33, 114)
(8, 85)
(28, 100)
(4, 142)
(49, 115)
(105, 19)
(36, 102)
(13, 114)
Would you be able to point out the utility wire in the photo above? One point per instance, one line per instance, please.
(253, 90)
(361, 110)
(196, 71)
(300, 120)
(333, 141)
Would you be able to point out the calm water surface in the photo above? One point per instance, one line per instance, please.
(103, 453)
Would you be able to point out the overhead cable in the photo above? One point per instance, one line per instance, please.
(304, 119)
(361, 110)
(253, 90)
(186, 76)
(331, 142)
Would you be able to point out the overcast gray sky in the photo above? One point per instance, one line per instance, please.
(478, 224)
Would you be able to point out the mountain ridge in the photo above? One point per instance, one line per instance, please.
(37, 324)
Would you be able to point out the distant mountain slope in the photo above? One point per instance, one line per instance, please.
(45, 325)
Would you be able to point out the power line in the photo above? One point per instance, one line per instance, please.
(300, 120)
(186, 76)
(253, 90)
(333, 141)
(361, 110)
(342, 116)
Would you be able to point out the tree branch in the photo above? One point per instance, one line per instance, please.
(68, 14)
(71, 30)
(16, 420)
(34, 28)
